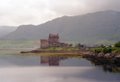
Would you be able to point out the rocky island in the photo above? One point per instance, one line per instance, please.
(100, 55)
(53, 45)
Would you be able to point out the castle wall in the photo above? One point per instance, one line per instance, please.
(52, 41)
(44, 43)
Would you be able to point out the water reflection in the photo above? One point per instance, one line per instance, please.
(110, 68)
(32, 60)
(106, 66)
(63, 61)
(52, 60)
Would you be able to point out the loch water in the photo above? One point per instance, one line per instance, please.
(15, 67)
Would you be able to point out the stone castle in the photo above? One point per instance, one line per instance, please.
(52, 41)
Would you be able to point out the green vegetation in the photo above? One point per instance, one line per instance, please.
(62, 48)
(117, 44)
(104, 50)
(108, 49)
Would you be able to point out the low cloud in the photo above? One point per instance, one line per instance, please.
(17, 12)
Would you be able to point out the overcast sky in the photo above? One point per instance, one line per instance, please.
(17, 12)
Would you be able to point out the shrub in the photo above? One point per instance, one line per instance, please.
(107, 50)
(117, 44)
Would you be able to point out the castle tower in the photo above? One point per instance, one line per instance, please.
(53, 40)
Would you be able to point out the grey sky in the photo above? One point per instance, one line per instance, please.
(17, 12)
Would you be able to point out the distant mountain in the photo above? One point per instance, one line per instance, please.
(88, 28)
(4, 30)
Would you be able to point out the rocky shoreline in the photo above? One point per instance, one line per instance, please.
(55, 52)
(98, 58)
(104, 59)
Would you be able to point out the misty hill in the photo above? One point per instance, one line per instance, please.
(4, 30)
(88, 28)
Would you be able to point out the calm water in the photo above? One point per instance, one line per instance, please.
(18, 68)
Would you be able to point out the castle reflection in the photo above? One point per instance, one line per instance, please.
(51, 60)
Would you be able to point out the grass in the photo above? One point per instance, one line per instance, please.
(61, 48)
(52, 54)
(17, 53)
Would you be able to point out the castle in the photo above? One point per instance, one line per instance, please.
(52, 41)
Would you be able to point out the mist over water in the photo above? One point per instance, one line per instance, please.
(56, 74)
